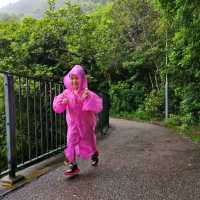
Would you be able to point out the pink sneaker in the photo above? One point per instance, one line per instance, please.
(73, 170)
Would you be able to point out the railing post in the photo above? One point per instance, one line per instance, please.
(104, 115)
(166, 82)
(101, 117)
(10, 127)
(166, 99)
(107, 108)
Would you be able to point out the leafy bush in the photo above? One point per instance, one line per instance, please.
(154, 104)
(126, 98)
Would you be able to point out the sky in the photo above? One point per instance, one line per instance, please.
(6, 2)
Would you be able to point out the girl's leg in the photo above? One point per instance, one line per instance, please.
(93, 142)
(95, 158)
(72, 141)
(72, 167)
(70, 154)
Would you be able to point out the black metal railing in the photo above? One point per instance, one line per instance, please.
(103, 117)
(33, 131)
(3, 147)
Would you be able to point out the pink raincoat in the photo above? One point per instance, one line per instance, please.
(80, 116)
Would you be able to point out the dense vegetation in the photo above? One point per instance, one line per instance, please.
(122, 44)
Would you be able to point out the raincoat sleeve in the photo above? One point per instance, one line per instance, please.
(93, 103)
(58, 107)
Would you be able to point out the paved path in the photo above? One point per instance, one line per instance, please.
(139, 161)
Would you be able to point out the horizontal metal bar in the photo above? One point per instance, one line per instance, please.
(39, 157)
(31, 77)
(4, 172)
(29, 162)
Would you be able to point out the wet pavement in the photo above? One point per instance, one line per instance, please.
(138, 161)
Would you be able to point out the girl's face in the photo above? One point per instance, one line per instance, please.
(74, 82)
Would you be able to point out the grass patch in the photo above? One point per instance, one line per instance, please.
(137, 116)
(192, 132)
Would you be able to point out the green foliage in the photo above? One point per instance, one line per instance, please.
(183, 67)
(173, 121)
(126, 98)
(123, 43)
(154, 104)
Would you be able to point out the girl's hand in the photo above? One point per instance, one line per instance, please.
(85, 94)
(64, 101)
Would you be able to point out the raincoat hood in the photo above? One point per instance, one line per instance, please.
(79, 72)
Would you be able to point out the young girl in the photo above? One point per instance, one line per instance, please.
(81, 105)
